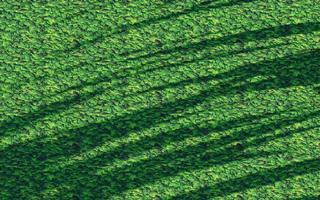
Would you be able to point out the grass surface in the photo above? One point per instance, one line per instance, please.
(151, 99)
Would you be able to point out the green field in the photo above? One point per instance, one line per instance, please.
(160, 99)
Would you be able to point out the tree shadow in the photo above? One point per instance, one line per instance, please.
(19, 122)
(255, 35)
(83, 139)
(122, 75)
(294, 70)
(255, 180)
(273, 32)
(26, 167)
(202, 6)
(39, 156)
(228, 148)
(267, 33)
(301, 69)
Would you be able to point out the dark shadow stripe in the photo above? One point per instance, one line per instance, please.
(256, 180)
(202, 6)
(273, 32)
(256, 35)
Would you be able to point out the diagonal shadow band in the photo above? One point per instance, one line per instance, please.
(19, 122)
(255, 35)
(294, 70)
(257, 134)
(119, 78)
(203, 155)
(211, 152)
(49, 109)
(33, 156)
(204, 5)
(83, 139)
(259, 179)
(267, 33)
(313, 68)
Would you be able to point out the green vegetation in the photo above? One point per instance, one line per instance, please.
(151, 99)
